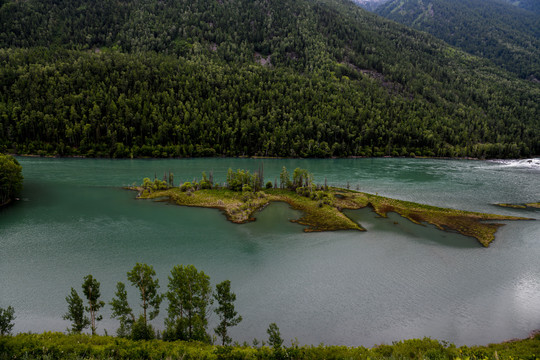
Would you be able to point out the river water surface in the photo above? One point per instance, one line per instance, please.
(396, 281)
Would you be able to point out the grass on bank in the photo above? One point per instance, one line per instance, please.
(318, 215)
(53, 345)
(535, 205)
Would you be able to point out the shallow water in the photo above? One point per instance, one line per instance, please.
(397, 280)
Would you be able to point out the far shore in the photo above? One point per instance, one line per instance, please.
(271, 157)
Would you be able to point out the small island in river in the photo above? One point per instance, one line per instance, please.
(244, 194)
(535, 205)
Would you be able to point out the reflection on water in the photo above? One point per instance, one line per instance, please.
(394, 224)
(396, 280)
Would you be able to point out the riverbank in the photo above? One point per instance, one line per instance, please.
(326, 212)
(257, 157)
(60, 346)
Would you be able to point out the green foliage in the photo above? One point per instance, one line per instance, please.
(6, 318)
(11, 179)
(141, 330)
(75, 313)
(122, 310)
(284, 179)
(151, 186)
(301, 177)
(274, 336)
(186, 186)
(205, 183)
(92, 293)
(61, 346)
(189, 296)
(227, 314)
(242, 180)
(142, 277)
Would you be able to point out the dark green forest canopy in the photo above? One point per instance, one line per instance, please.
(272, 78)
(11, 179)
(506, 34)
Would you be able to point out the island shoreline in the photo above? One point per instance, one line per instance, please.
(318, 216)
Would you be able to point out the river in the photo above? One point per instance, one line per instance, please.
(396, 281)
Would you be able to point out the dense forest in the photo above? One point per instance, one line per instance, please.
(11, 179)
(243, 78)
(507, 35)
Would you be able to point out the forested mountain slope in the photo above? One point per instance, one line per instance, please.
(243, 77)
(531, 5)
(370, 5)
(503, 33)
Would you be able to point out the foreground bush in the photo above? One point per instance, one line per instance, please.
(60, 346)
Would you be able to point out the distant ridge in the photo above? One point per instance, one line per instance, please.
(503, 33)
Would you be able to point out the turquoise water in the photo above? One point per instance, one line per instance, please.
(398, 280)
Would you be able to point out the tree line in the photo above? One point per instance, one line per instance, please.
(190, 299)
(189, 296)
(240, 180)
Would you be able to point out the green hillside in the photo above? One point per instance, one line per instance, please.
(505, 34)
(273, 78)
(531, 5)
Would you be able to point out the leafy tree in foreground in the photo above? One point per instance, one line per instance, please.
(189, 296)
(6, 318)
(142, 277)
(92, 293)
(75, 313)
(11, 179)
(122, 310)
(227, 315)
